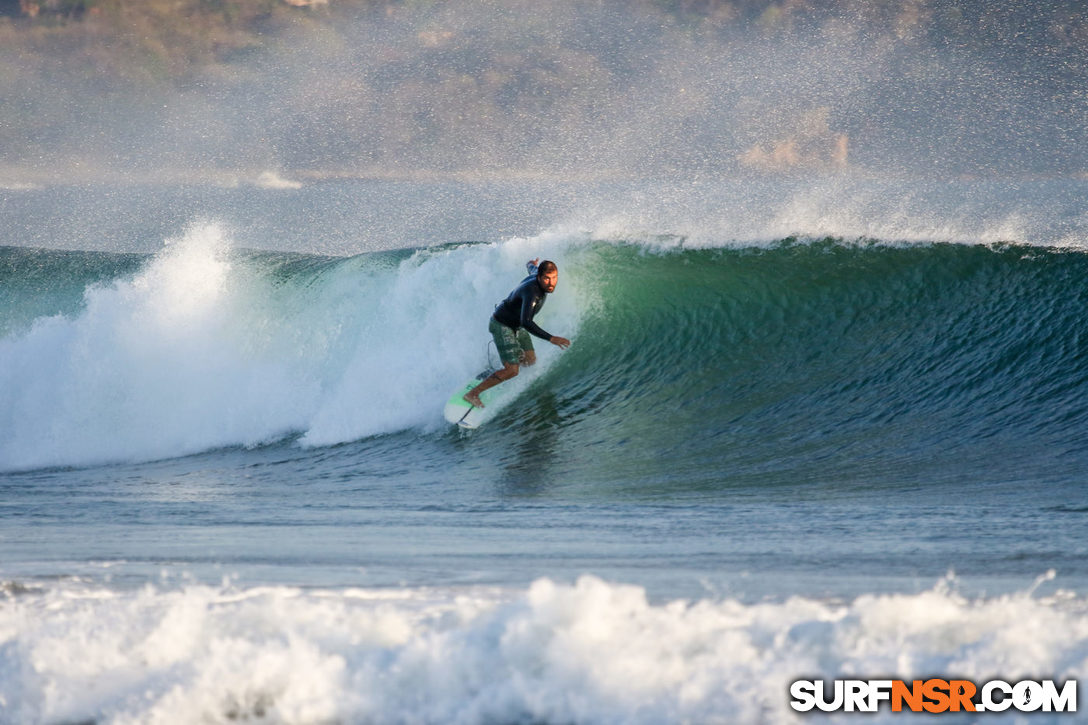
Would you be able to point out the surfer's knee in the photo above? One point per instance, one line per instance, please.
(509, 370)
(528, 357)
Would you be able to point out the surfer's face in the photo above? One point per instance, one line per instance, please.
(549, 280)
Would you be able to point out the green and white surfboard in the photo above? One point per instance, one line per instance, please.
(462, 413)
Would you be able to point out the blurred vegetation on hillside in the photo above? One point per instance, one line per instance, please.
(145, 40)
(171, 38)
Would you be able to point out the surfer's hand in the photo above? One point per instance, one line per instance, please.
(561, 342)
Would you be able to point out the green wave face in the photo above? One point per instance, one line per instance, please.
(827, 363)
(37, 283)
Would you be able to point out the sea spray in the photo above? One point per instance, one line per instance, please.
(206, 346)
(172, 360)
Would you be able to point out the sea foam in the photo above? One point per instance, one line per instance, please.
(588, 652)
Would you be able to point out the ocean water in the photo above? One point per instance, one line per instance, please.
(822, 430)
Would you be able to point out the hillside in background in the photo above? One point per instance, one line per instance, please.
(376, 87)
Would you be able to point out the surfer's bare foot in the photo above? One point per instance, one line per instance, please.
(474, 398)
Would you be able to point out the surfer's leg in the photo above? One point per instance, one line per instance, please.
(526, 355)
(509, 370)
(510, 352)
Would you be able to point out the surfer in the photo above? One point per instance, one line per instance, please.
(512, 322)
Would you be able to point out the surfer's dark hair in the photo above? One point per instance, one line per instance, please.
(546, 267)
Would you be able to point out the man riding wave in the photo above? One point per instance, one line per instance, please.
(512, 323)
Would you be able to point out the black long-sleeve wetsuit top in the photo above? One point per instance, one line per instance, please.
(521, 306)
